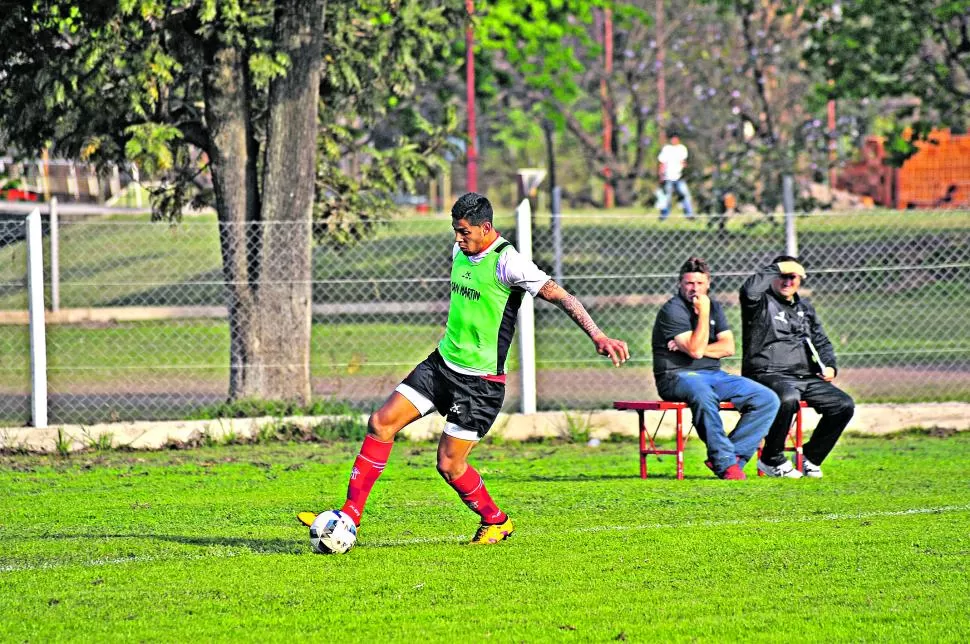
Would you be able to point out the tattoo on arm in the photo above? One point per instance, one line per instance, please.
(552, 292)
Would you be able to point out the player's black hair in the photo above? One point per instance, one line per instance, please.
(695, 265)
(473, 208)
(672, 133)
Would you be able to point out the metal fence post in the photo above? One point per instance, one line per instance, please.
(788, 201)
(557, 235)
(35, 308)
(527, 317)
(55, 258)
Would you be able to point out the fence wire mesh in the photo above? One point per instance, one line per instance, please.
(141, 328)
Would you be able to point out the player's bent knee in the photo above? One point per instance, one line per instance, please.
(763, 398)
(789, 399)
(768, 401)
(450, 468)
(380, 428)
(701, 396)
(847, 408)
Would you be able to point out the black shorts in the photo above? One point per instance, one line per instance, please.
(470, 402)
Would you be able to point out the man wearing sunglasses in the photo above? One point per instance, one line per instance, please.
(786, 349)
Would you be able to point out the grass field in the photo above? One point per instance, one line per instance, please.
(201, 545)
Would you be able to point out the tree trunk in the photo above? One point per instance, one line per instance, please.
(548, 129)
(266, 238)
(283, 298)
(232, 159)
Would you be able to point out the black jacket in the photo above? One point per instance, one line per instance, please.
(773, 331)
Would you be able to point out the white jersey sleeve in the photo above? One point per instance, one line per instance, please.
(514, 270)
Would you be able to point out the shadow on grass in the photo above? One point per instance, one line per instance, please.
(280, 546)
(592, 478)
(263, 546)
(296, 546)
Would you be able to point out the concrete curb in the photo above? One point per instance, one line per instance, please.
(873, 419)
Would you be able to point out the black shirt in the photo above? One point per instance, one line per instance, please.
(674, 318)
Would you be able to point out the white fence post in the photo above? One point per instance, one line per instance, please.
(136, 182)
(527, 316)
(35, 308)
(55, 258)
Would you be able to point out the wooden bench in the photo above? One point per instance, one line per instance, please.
(648, 443)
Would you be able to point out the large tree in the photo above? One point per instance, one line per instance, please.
(267, 99)
(735, 86)
(544, 66)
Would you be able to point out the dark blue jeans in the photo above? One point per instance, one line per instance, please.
(681, 187)
(703, 391)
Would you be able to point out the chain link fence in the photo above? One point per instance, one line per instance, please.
(140, 329)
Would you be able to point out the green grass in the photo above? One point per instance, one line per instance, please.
(202, 546)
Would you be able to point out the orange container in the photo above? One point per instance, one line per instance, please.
(937, 176)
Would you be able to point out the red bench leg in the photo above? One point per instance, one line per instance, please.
(643, 444)
(680, 444)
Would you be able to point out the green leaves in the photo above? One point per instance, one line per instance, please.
(150, 146)
(896, 48)
(113, 81)
(265, 66)
(541, 41)
(901, 141)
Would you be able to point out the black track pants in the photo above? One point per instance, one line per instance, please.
(834, 405)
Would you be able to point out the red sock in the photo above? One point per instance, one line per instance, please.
(471, 489)
(367, 469)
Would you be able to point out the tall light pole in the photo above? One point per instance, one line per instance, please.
(832, 142)
(471, 175)
(608, 196)
(833, 156)
(661, 81)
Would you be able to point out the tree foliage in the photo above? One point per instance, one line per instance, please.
(112, 82)
(735, 91)
(294, 112)
(879, 48)
(896, 49)
(383, 109)
(543, 61)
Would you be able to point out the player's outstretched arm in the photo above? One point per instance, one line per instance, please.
(616, 350)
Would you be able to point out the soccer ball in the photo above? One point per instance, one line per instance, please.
(333, 533)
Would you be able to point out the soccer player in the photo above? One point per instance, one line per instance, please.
(464, 378)
(786, 349)
(690, 336)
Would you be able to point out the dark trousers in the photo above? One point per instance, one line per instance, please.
(834, 405)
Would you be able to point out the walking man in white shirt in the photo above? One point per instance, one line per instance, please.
(673, 160)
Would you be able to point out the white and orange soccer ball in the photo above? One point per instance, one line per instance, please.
(333, 533)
